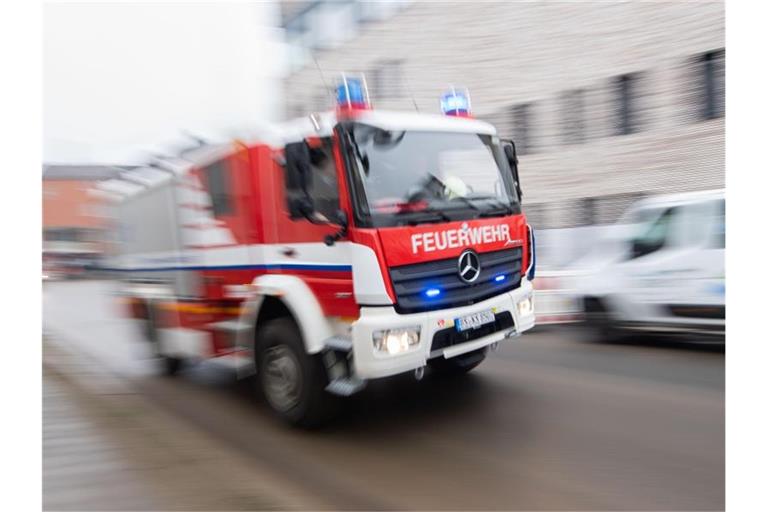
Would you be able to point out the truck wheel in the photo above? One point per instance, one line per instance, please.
(458, 365)
(169, 365)
(292, 381)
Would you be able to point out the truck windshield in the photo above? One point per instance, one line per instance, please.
(412, 177)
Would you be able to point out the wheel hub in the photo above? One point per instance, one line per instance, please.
(282, 377)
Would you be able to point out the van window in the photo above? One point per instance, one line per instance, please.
(218, 178)
(718, 241)
(655, 235)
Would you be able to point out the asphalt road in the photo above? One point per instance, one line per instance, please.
(550, 421)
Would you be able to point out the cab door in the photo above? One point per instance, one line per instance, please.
(304, 217)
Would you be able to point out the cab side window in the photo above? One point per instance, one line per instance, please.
(219, 186)
(322, 185)
(655, 235)
(324, 188)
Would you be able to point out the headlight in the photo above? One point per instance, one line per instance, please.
(396, 341)
(525, 306)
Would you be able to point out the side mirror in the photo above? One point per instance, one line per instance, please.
(640, 248)
(298, 179)
(341, 219)
(510, 151)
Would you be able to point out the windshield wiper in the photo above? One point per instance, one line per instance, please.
(423, 216)
(357, 153)
(467, 202)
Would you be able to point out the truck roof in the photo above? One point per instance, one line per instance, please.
(299, 128)
(277, 135)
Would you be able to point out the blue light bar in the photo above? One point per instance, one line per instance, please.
(455, 103)
(500, 278)
(432, 292)
(351, 93)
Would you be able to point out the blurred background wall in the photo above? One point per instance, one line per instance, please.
(607, 102)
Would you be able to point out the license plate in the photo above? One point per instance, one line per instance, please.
(475, 320)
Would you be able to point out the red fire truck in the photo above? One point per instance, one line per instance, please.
(330, 250)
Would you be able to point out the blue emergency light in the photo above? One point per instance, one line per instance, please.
(432, 292)
(455, 103)
(352, 93)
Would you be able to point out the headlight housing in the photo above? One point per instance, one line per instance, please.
(396, 341)
(525, 306)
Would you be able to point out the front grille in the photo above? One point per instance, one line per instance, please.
(411, 281)
(450, 336)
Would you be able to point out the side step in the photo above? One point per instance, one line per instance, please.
(338, 362)
(345, 386)
(339, 343)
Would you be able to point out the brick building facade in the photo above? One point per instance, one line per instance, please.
(73, 218)
(606, 101)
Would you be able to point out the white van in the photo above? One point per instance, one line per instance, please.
(660, 270)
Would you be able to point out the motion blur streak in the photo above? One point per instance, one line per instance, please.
(554, 422)
(614, 400)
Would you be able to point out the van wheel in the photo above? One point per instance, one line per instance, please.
(599, 322)
(292, 381)
(458, 365)
(169, 365)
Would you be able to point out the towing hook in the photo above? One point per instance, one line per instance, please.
(418, 373)
(494, 346)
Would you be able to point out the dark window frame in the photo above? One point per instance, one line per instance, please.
(713, 84)
(219, 181)
(626, 104)
(521, 114)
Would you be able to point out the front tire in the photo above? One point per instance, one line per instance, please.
(292, 381)
(458, 365)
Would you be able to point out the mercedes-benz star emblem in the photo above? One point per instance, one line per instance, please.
(469, 266)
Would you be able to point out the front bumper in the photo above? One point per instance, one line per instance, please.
(371, 364)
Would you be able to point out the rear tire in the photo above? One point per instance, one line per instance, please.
(458, 365)
(292, 381)
(169, 365)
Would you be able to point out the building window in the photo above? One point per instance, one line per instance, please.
(217, 176)
(572, 105)
(626, 104)
(588, 211)
(386, 79)
(521, 128)
(713, 77)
